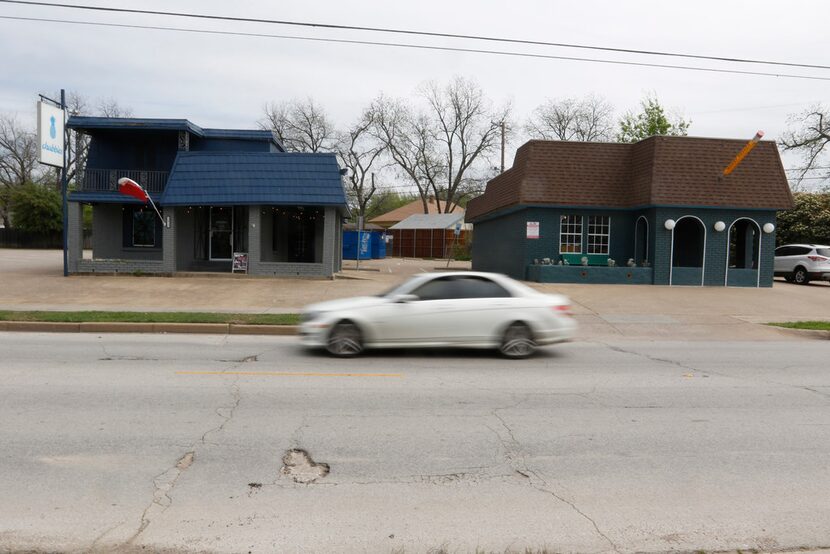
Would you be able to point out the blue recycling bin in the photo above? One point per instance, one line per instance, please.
(378, 246)
(350, 245)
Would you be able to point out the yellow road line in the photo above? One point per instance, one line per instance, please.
(289, 373)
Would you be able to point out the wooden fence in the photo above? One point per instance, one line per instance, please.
(423, 243)
(15, 238)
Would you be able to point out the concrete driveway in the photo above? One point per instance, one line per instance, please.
(33, 280)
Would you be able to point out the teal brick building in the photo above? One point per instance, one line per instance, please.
(659, 211)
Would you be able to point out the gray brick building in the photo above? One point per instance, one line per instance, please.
(222, 195)
(659, 211)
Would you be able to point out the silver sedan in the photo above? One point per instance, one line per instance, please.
(464, 309)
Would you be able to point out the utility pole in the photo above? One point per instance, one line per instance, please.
(502, 146)
(64, 184)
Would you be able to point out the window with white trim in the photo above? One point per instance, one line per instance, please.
(570, 234)
(599, 234)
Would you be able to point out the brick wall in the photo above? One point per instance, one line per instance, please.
(715, 260)
(500, 243)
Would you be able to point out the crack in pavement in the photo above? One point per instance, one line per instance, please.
(708, 372)
(103, 534)
(165, 482)
(512, 452)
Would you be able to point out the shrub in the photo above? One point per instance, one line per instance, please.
(37, 209)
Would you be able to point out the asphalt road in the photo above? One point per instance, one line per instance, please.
(118, 442)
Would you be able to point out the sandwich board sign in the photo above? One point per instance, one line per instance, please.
(240, 262)
(50, 135)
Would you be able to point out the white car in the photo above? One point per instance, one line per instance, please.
(466, 309)
(802, 263)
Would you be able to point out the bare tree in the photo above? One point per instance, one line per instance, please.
(588, 119)
(444, 146)
(109, 107)
(18, 161)
(811, 139)
(301, 126)
(359, 151)
(408, 140)
(467, 130)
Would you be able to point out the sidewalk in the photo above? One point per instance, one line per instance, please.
(32, 280)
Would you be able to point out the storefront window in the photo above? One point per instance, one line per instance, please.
(599, 233)
(144, 228)
(570, 234)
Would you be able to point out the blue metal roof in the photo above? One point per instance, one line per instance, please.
(251, 178)
(108, 197)
(126, 123)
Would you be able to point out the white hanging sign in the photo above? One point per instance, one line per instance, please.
(50, 137)
(533, 229)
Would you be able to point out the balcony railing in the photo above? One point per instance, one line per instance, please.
(106, 180)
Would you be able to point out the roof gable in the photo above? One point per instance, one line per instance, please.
(430, 221)
(413, 208)
(658, 171)
(254, 178)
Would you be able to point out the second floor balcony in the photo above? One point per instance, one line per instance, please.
(106, 180)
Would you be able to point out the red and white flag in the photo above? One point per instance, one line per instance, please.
(131, 188)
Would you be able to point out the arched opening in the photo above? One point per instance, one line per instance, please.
(688, 251)
(743, 253)
(744, 240)
(641, 240)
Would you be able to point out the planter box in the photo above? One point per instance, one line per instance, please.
(590, 274)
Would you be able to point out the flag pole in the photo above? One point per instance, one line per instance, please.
(153, 204)
(131, 188)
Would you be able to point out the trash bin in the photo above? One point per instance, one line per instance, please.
(378, 245)
(350, 245)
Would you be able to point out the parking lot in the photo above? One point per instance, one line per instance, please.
(33, 280)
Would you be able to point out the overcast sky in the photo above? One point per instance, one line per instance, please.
(224, 81)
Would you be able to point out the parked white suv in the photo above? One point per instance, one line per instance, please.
(801, 263)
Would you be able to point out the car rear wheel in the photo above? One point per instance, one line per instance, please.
(800, 276)
(345, 340)
(517, 342)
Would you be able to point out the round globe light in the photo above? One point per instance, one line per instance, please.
(720, 226)
(669, 224)
(769, 228)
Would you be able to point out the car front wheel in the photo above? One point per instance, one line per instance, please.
(800, 276)
(517, 342)
(345, 340)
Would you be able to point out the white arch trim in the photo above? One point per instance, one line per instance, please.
(760, 244)
(636, 227)
(671, 252)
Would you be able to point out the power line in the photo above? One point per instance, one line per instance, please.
(411, 32)
(418, 47)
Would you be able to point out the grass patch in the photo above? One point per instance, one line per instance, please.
(150, 317)
(811, 325)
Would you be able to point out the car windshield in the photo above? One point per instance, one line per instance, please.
(823, 252)
(400, 288)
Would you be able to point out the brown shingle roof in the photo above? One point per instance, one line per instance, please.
(416, 207)
(680, 171)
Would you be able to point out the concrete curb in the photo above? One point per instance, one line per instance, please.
(126, 327)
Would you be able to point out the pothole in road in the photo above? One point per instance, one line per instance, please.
(298, 465)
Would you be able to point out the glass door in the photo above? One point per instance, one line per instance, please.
(221, 233)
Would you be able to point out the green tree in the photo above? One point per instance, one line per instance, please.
(808, 221)
(651, 121)
(37, 209)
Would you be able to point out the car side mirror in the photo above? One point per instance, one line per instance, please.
(404, 298)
